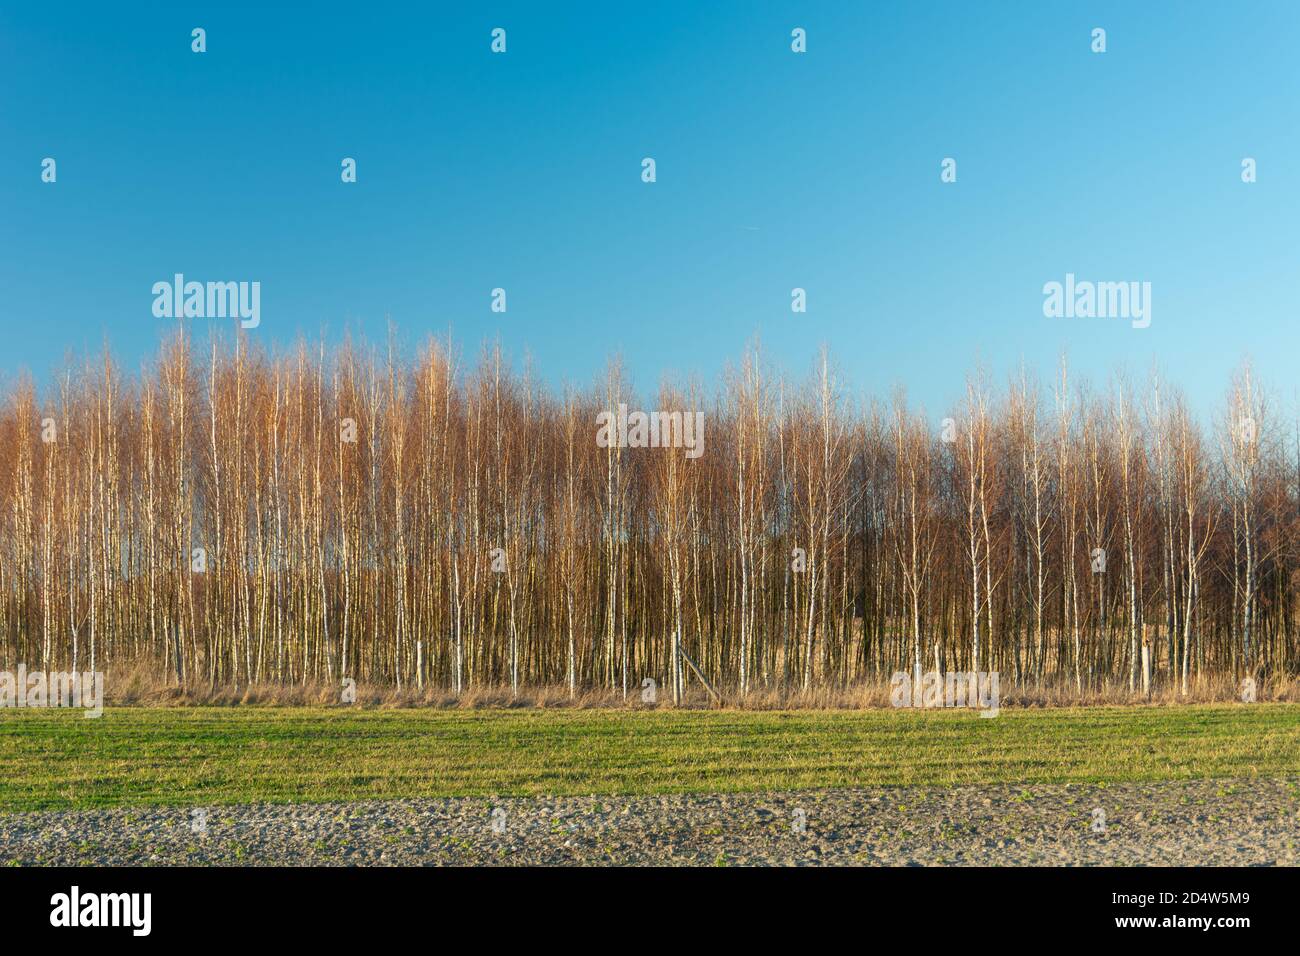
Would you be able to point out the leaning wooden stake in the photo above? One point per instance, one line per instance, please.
(703, 680)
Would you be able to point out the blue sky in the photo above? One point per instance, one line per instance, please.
(775, 170)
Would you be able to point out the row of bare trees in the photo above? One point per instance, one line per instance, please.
(234, 517)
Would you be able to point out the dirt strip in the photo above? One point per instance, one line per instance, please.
(1228, 822)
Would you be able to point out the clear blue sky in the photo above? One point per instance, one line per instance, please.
(775, 170)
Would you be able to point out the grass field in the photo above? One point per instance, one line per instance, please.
(188, 756)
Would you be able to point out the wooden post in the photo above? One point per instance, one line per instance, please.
(1146, 668)
(681, 650)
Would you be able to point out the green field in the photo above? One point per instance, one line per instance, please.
(187, 756)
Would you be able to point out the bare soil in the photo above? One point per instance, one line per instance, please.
(1202, 822)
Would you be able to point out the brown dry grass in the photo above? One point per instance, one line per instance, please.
(141, 685)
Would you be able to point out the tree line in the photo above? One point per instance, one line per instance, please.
(229, 516)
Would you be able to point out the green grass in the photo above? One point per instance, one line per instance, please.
(208, 756)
